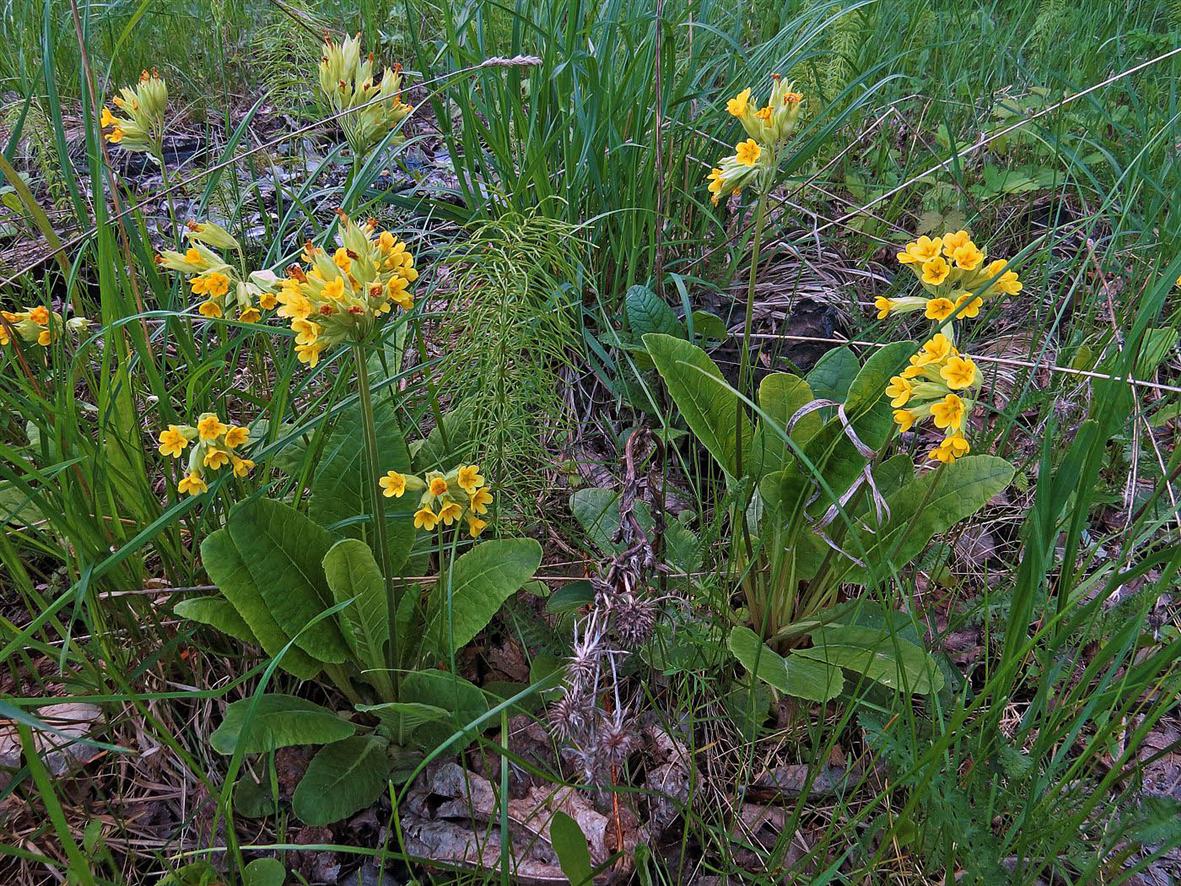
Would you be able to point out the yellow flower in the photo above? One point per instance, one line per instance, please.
(904, 418)
(935, 271)
(214, 284)
(968, 257)
(968, 306)
(39, 315)
(192, 256)
(469, 478)
(739, 105)
(114, 137)
(1008, 283)
(949, 412)
(436, 485)
(936, 350)
(952, 242)
(309, 353)
(334, 289)
(305, 331)
(425, 518)
(242, 466)
(475, 526)
(480, 500)
(216, 459)
(44, 338)
(236, 436)
(939, 308)
(883, 306)
(952, 447)
(172, 441)
(250, 315)
(267, 301)
(959, 373)
(209, 309)
(106, 118)
(393, 485)
(920, 251)
(716, 182)
(193, 484)
(449, 513)
(209, 426)
(747, 153)
(899, 391)
(342, 259)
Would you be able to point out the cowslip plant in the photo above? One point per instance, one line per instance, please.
(374, 107)
(817, 507)
(38, 325)
(462, 494)
(139, 124)
(224, 287)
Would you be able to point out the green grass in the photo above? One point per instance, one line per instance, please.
(1029, 766)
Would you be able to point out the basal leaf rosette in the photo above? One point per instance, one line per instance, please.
(211, 445)
(344, 294)
(460, 494)
(767, 128)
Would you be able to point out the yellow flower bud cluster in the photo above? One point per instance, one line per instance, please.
(219, 283)
(138, 124)
(768, 128)
(347, 82)
(941, 384)
(38, 325)
(215, 445)
(957, 276)
(460, 494)
(341, 295)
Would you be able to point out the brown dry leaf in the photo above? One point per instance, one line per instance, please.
(62, 751)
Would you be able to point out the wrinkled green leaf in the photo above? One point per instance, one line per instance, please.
(276, 721)
(342, 779)
(217, 612)
(833, 373)
(597, 511)
(799, 677)
(352, 574)
(571, 848)
(781, 395)
(879, 655)
(647, 312)
(264, 872)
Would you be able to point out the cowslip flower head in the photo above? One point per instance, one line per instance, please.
(344, 295)
(214, 445)
(346, 81)
(461, 494)
(942, 385)
(38, 325)
(138, 124)
(767, 128)
(225, 290)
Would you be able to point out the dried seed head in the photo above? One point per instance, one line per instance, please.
(614, 741)
(634, 621)
(583, 663)
(566, 716)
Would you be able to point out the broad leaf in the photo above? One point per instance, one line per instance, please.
(341, 484)
(352, 574)
(647, 312)
(570, 846)
(931, 504)
(400, 719)
(264, 872)
(284, 552)
(342, 779)
(228, 571)
(833, 373)
(795, 676)
(481, 580)
(463, 701)
(217, 612)
(276, 721)
(879, 655)
(780, 396)
(706, 402)
(597, 511)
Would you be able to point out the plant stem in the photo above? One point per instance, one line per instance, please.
(378, 507)
(744, 369)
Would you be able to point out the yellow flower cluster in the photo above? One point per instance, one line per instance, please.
(768, 128)
(460, 494)
(341, 296)
(214, 444)
(38, 325)
(216, 280)
(957, 276)
(139, 125)
(941, 384)
(346, 82)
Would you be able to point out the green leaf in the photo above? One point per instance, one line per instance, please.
(597, 511)
(795, 676)
(707, 403)
(401, 718)
(931, 504)
(781, 395)
(352, 574)
(570, 597)
(647, 312)
(432, 454)
(463, 701)
(264, 872)
(342, 779)
(479, 582)
(881, 656)
(571, 847)
(253, 799)
(228, 571)
(340, 486)
(217, 612)
(284, 552)
(709, 327)
(276, 721)
(833, 373)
